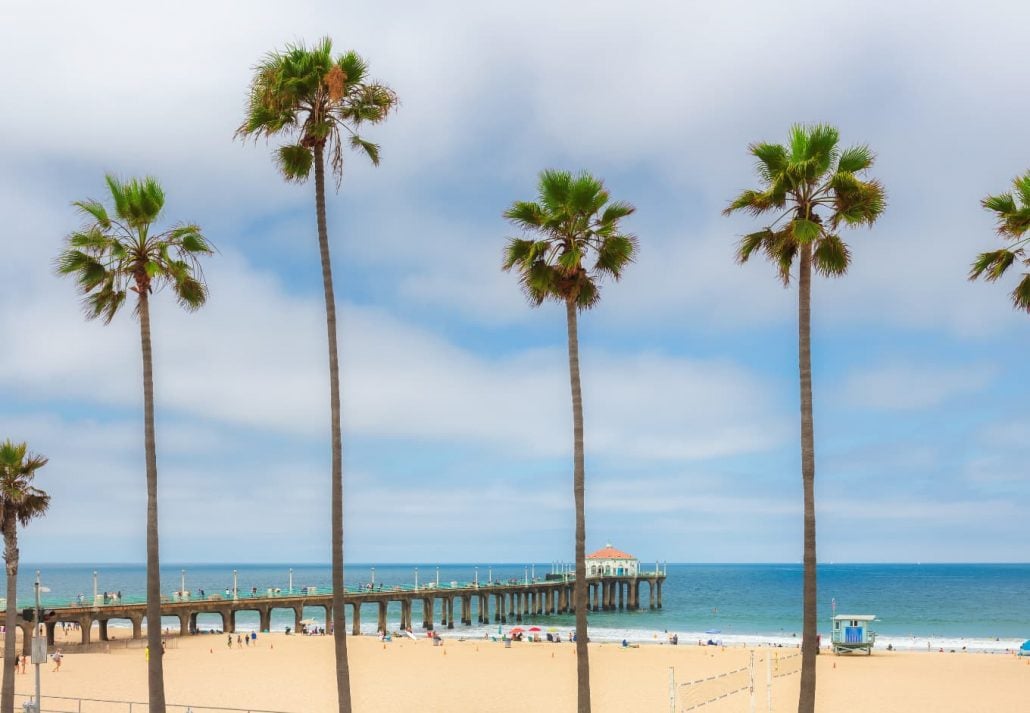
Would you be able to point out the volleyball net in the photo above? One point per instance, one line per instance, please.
(751, 685)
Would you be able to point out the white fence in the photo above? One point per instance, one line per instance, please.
(65, 704)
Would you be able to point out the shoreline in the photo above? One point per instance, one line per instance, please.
(652, 637)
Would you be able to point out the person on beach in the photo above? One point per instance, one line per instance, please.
(239, 641)
(57, 660)
(230, 641)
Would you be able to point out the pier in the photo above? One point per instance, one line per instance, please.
(458, 603)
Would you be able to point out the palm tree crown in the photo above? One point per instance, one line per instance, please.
(20, 499)
(319, 102)
(113, 254)
(817, 188)
(575, 222)
(1013, 214)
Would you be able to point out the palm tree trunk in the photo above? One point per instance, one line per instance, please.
(339, 622)
(11, 615)
(579, 595)
(155, 668)
(809, 646)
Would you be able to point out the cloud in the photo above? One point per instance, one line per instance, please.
(899, 386)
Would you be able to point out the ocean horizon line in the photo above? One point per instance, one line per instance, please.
(509, 563)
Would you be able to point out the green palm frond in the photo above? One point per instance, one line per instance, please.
(575, 223)
(994, 263)
(1021, 295)
(831, 256)
(316, 102)
(19, 498)
(108, 258)
(821, 187)
(1012, 212)
(614, 253)
(805, 231)
(294, 162)
(752, 242)
(855, 159)
(96, 210)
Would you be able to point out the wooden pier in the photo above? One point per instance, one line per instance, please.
(511, 603)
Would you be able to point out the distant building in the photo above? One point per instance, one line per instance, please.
(610, 562)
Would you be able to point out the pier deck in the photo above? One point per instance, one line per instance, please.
(511, 602)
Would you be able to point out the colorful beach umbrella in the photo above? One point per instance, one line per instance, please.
(534, 628)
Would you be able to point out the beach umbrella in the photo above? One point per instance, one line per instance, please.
(308, 622)
(1025, 646)
(534, 628)
(517, 630)
(552, 629)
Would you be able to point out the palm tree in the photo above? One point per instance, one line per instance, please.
(20, 502)
(815, 189)
(110, 256)
(318, 102)
(1013, 213)
(575, 224)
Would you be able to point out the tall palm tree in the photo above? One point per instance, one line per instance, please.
(577, 243)
(110, 256)
(317, 102)
(1013, 213)
(814, 189)
(20, 502)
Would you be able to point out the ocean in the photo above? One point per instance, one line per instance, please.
(983, 607)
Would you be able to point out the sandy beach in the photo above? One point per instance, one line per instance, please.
(295, 674)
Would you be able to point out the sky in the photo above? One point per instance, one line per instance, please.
(456, 412)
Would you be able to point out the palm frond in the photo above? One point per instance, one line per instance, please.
(613, 255)
(316, 102)
(772, 159)
(754, 202)
(831, 256)
(752, 242)
(96, 210)
(855, 159)
(1021, 295)
(994, 263)
(294, 162)
(805, 231)
(576, 224)
(370, 149)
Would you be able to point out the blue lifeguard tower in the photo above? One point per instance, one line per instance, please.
(851, 633)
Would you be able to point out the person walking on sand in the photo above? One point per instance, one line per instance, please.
(230, 641)
(57, 660)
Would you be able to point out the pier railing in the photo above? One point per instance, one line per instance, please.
(110, 599)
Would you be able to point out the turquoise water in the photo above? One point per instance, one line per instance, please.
(982, 606)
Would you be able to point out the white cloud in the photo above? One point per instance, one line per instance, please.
(900, 386)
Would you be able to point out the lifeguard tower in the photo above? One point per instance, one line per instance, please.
(851, 633)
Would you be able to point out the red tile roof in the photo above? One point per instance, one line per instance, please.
(610, 553)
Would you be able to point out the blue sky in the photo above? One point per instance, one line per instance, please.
(457, 421)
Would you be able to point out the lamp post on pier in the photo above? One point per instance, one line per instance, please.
(182, 584)
(291, 580)
(437, 576)
(526, 574)
(416, 579)
(235, 595)
(373, 577)
(532, 571)
(476, 581)
(489, 576)
(94, 587)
